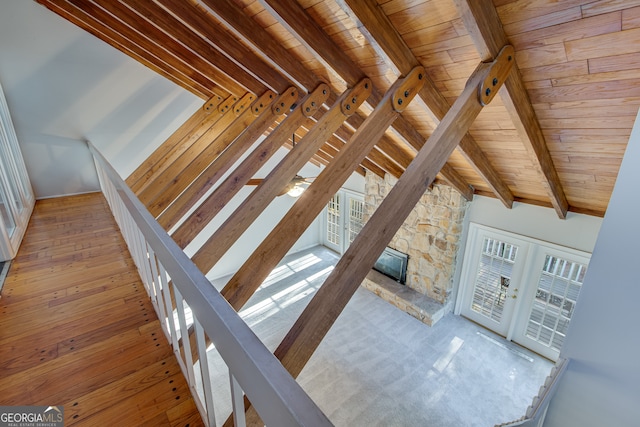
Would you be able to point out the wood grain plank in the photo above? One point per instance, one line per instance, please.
(605, 6)
(90, 342)
(381, 31)
(574, 30)
(611, 44)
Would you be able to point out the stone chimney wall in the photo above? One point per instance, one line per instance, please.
(430, 235)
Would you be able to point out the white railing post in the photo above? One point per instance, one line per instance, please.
(204, 370)
(184, 335)
(237, 403)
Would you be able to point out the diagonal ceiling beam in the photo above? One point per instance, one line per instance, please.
(155, 161)
(145, 29)
(319, 315)
(226, 44)
(107, 28)
(483, 24)
(231, 15)
(265, 117)
(308, 32)
(257, 267)
(282, 174)
(380, 32)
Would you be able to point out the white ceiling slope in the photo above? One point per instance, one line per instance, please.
(64, 86)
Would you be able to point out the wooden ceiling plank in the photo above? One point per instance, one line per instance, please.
(188, 39)
(232, 125)
(146, 52)
(308, 32)
(195, 146)
(298, 22)
(212, 174)
(228, 188)
(329, 301)
(201, 21)
(163, 41)
(249, 277)
(483, 24)
(230, 14)
(137, 178)
(377, 27)
(281, 175)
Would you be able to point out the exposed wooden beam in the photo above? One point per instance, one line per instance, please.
(206, 142)
(283, 173)
(485, 28)
(375, 25)
(235, 19)
(176, 30)
(102, 25)
(183, 147)
(229, 232)
(309, 32)
(217, 200)
(167, 43)
(241, 118)
(327, 304)
(137, 178)
(265, 117)
(204, 25)
(249, 277)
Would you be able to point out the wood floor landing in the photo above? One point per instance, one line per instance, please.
(77, 329)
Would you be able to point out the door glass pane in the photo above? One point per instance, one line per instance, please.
(558, 288)
(333, 220)
(356, 218)
(493, 278)
(5, 211)
(8, 167)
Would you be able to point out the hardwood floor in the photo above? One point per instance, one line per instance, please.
(77, 329)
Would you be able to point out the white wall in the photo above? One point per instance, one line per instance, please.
(577, 231)
(602, 385)
(64, 86)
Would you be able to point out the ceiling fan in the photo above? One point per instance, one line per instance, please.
(294, 188)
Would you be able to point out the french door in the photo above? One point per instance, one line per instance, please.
(555, 280)
(521, 288)
(16, 196)
(343, 220)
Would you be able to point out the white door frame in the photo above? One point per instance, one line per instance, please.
(528, 279)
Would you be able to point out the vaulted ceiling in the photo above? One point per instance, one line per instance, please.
(554, 136)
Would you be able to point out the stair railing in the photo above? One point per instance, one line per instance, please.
(537, 411)
(183, 297)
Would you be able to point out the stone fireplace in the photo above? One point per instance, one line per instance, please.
(430, 236)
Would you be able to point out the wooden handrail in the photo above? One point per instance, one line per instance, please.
(278, 398)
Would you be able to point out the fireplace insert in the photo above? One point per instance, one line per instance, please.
(393, 263)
